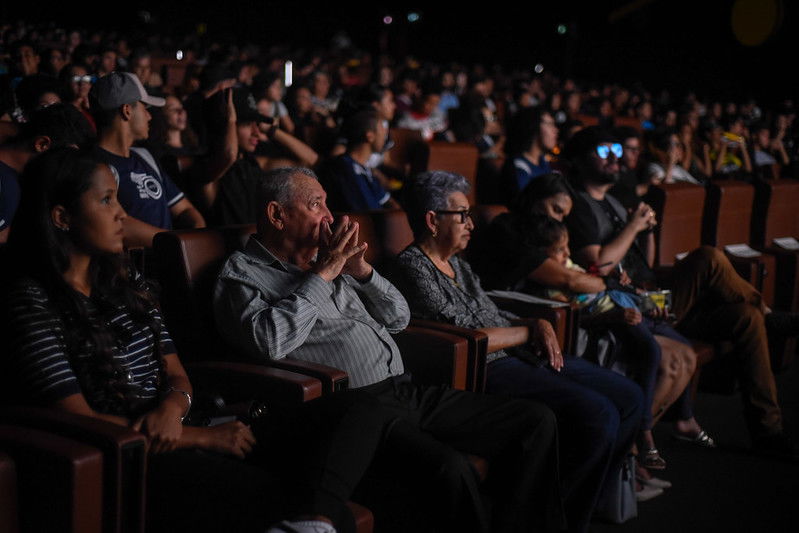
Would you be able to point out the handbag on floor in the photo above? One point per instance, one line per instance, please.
(617, 503)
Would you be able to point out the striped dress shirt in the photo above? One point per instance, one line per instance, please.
(270, 309)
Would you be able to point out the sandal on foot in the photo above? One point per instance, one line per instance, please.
(700, 439)
(653, 460)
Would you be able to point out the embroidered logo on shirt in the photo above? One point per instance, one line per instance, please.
(148, 186)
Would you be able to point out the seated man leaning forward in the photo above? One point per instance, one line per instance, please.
(302, 289)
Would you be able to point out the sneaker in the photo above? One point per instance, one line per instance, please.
(647, 493)
(655, 482)
(302, 526)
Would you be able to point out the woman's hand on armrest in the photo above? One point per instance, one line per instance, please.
(542, 334)
(231, 438)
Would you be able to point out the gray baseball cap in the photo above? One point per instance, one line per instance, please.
(120, 88)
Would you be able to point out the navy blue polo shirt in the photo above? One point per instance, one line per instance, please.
(145, 193)
(352, 187)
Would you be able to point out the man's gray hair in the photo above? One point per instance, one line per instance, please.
(277, 185)
(430, 191)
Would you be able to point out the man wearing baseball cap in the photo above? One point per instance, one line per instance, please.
(151, 199)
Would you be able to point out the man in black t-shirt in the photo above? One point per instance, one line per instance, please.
(601, 234)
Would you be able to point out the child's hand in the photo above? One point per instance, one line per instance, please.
(631, 316)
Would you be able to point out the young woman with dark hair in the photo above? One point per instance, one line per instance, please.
(84, 335)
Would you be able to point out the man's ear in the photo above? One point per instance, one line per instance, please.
(42, 144)
(60, 217)
(274, 214)
(126, 111)
(370, 136)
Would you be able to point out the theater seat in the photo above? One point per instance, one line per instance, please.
(59, 481)
(727, 221)
(187, 265)
(9, 521)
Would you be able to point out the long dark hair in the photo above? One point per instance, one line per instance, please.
(528, 201)
(38, 250)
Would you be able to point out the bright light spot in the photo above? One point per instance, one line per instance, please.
(413, 17)
(539, 68)
(179, 55)
(288, 74)
(388, 20)
(562, 29)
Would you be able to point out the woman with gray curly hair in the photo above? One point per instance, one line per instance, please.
(598, 412)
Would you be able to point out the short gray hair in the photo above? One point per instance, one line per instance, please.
(278, 186)
(429, 191)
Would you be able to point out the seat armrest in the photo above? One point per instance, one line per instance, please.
(478, 348)
(9, 520)
(364, 519)
(435, 357)
(59, 480)
(332, 379)
(564, 319)
(124, 458)
(239, 382)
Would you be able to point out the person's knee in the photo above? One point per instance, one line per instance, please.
(707, 254)
(687, 357)
(749, 319)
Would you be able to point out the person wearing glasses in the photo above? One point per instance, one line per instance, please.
(79, 82)
(598, 412)
(711, 301)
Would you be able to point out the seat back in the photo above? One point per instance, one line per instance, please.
(679, 208)
(775, 212)
(187, 265)
(408, 150)
(727, 213)
(460, 158)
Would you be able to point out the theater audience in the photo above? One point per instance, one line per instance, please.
(351, 183)
(55, 126)
(150, 198)
(231, 193)
(85, 336)
(598, 412)
(711, 301)
(301, 288)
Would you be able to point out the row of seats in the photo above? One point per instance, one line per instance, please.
(61, 472)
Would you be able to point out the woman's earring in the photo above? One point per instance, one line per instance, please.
(63, 228)
(435, 234)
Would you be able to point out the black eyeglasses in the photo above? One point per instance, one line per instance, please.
(464, 214)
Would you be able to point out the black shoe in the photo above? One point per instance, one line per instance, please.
(783, 323)
(777, 446)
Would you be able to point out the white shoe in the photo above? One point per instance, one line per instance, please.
(647, 493)
(655, 482)
(302, 526)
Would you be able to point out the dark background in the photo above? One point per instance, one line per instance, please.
(678, 45)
